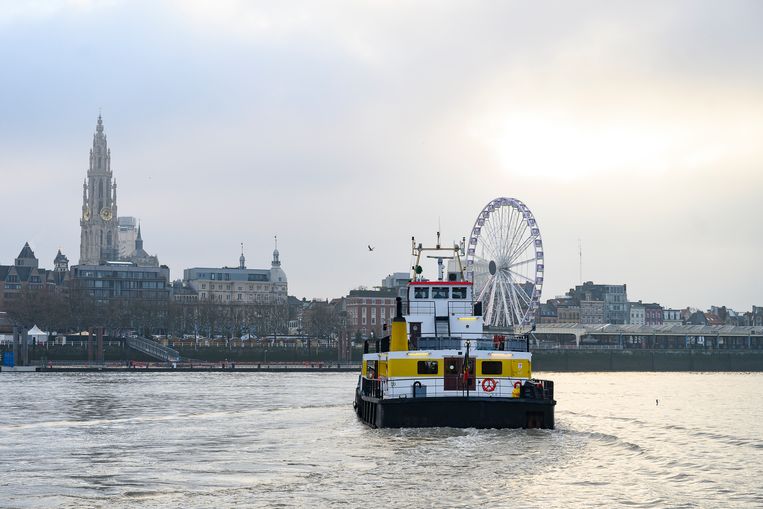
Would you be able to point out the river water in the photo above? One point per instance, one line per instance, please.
(292, 440)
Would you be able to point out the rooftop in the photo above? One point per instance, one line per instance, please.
(669, 329)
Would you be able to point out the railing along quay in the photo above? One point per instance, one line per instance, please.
(147, 367)
(153, 349)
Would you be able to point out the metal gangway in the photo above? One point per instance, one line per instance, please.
(154, 349)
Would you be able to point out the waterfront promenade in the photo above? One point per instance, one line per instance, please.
(589, 359)
(147, 367)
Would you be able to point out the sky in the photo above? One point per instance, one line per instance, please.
(632, 126)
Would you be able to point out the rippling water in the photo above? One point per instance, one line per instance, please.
(283, 440)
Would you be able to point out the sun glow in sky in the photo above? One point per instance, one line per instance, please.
(565, 130)
(634, 126)
(547, 144)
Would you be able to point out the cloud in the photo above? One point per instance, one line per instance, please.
(32, 11)
(632, 126)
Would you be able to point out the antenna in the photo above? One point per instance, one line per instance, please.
(580, 254)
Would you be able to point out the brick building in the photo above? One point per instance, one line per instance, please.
(653, 314)
(368, 311)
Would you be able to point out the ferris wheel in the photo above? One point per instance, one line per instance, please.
(504, 260)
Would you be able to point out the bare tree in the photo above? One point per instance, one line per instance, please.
(321, 320)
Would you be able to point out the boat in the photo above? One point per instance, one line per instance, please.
(441, 366)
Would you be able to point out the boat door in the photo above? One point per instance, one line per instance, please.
(454, 375)
(441, 327)
(415, 333)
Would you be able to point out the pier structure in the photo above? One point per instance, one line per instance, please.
(659, 337)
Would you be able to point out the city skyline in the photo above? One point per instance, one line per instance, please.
(239, 123)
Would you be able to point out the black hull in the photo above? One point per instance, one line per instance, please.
(455, 412)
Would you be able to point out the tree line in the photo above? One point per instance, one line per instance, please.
(76, 310)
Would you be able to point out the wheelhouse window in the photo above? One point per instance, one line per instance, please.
(459, 293)
(427, 368)
(492, 368)
(440, 293)
(420, 293)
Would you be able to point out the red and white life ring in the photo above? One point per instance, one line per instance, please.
(489, 384)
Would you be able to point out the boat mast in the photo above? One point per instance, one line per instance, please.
(457, 250)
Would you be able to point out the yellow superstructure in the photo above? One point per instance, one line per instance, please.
(399, 336)
(408, 368)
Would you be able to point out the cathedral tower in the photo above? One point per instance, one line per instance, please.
(98, 240)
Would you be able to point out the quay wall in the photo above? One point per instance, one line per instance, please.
(79, 353)
(263, 355)
(543, 360)
(646, 360)
(71, 353)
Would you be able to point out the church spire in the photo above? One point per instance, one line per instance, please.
(100, 155)
(138, 240)
(99, 236)
(276, 261)
(242, 260)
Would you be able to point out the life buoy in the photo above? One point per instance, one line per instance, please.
(517, 384)
(488, 385)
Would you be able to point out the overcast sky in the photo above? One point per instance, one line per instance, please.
(634, 126)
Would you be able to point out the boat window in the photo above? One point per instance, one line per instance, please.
(427, 368)
(421, 293)
(440, 293)
(492, 367)
(459, 293)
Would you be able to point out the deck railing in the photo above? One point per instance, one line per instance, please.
(435, 387)
(421, 307)
(477, 340)
(371, 387)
